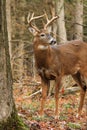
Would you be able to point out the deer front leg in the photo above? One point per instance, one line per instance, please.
(45, 88)
(57, 88)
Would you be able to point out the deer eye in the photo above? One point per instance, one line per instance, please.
(42, 35)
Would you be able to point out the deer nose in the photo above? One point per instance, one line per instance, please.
(53, 42)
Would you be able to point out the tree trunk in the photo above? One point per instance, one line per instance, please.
(61, 23)
(51, 5)
(18, 68)
(8, 115)
(8, 14)
(78, 19)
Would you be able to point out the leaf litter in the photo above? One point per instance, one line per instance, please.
(28, 110)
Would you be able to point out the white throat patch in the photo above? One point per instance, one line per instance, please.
(42, 47)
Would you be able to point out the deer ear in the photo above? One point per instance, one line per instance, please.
(32, 30)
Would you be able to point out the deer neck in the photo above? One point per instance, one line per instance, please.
(42, 55)
(40, 46)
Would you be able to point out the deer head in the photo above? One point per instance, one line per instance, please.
(42, 36)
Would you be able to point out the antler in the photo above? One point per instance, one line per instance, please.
(49, 21)
(29, 20)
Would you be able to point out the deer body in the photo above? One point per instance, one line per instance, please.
(66, 59)
(55, 61)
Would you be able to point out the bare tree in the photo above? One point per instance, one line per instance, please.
(51, 5)
(18, 48)
(8, 14)
(79, 19)
(61, 23)
(8, 115)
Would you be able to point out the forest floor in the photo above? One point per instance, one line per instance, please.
(28, 109)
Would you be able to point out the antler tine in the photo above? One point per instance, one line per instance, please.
(46, 17)
(28, 17)
(33, 18)
(49, 21)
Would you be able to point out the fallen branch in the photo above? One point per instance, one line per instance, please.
(66, 92)
(39, 91)
(71, 90)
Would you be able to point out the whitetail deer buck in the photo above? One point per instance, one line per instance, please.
(54, 62)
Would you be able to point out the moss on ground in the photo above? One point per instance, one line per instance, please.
(13, 123)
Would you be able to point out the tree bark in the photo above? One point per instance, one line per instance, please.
(61, 23)
(78, 34)
(8, 115)
(51, 5)
(8, 14)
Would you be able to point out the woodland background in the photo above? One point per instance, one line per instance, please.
(72, 24)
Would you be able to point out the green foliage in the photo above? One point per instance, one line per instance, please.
(68, 105)
(33, 106)
(74, 125)
(21, 124)
(62, 116)
(40, 118)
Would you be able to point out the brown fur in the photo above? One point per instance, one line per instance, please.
(54, 62)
